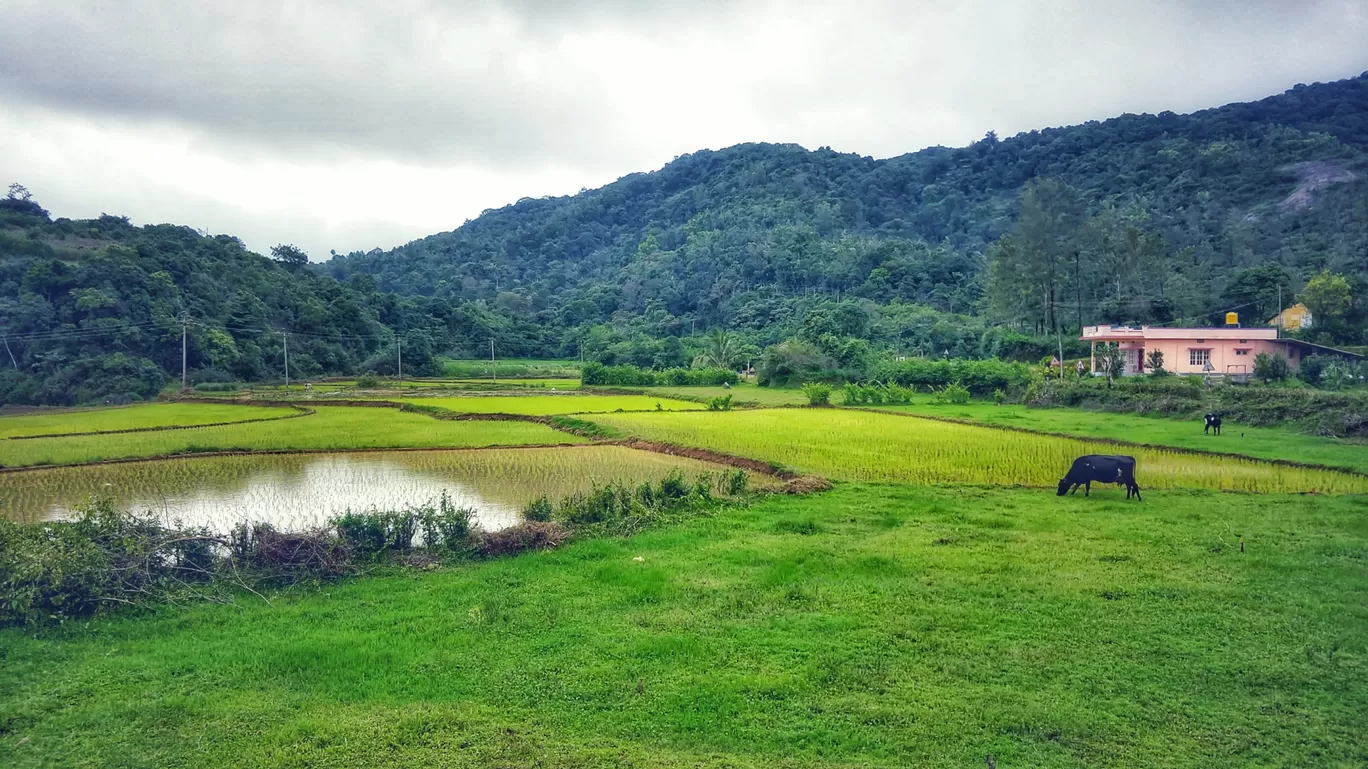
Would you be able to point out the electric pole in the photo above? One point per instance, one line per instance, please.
(11, 354)
(183, 348)
(286, 337)
(493, 367)
(401, 358)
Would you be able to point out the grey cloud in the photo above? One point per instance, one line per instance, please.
(549, 95)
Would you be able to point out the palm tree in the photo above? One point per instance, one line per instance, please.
(720, 351)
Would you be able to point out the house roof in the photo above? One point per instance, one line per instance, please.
(1321, 349)
(1131, 333)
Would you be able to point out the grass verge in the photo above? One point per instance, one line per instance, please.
(874, 626)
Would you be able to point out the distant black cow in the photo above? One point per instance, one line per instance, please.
(1213, 423)
(1101, 469)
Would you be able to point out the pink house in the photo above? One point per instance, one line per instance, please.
(1206, 351)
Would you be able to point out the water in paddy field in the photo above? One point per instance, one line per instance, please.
(299, 491)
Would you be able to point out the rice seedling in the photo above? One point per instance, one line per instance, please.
(868, 446)
(144, 416)
(1255, 442)
(331, 428)
(547, 405)
(294, 492)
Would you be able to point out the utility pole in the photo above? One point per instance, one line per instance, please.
(493, 367)
(11, 354)
(1282, 322)
(286, 337)
(183, 348)
(401, 358)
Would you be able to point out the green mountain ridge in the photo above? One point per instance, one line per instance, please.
(714, 235)
(1169, 218)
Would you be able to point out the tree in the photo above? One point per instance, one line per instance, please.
(1327, 296)
(1255, 292)
(1154, 361)
(1028, 268)
(720, 350)
(288, 255)
(1111, 360)
(19, 192)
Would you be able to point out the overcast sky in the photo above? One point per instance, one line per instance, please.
(370, 123)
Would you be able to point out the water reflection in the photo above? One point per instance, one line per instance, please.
(301, 490)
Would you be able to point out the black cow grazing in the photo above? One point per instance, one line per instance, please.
(1102, 469)
(1213, 423)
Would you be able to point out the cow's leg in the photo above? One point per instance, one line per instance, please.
(1136, 488)
(1087, 489)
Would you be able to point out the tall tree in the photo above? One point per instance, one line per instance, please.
(1038, 255)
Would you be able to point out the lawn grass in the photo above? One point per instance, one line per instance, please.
(547, 405)
(1261, 442)
(872, 626)
(859, 445)
(131, 418)
(332, 427)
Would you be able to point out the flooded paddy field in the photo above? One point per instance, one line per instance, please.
(297, 491)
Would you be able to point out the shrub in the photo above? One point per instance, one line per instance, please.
(954, 393)
(1270, 368)
(980, 377)
(216, 387)
(539, 510)
(446, 527)
(999, 397)
(597, 374)
(735, 482)
(61, 570)
(720, 403)
(368, 381)
(818, 394)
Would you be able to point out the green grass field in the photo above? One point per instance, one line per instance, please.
(1261, 442)
(131, 418)
(509, 367)
(742, 394)
(871, 626)
(547, 405)
(859, 445)
(332, 427)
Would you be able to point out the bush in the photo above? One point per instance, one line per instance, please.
(954, 393)
(818, 394)
(597, 374)
(980, 377)
(368, 381)
(999, 397)
(1270, 368)
(60, 570)
(217, 387)
(874, 394)
(735, 482)
(538, 510)
(720, 403)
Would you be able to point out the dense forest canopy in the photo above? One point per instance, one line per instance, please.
(1165, 211)
(816, 260)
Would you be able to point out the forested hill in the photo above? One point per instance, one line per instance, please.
(93, 310)
(729, 237)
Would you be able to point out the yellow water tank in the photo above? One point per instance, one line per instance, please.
(1232, 319)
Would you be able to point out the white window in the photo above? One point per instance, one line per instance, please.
(1199, 357)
